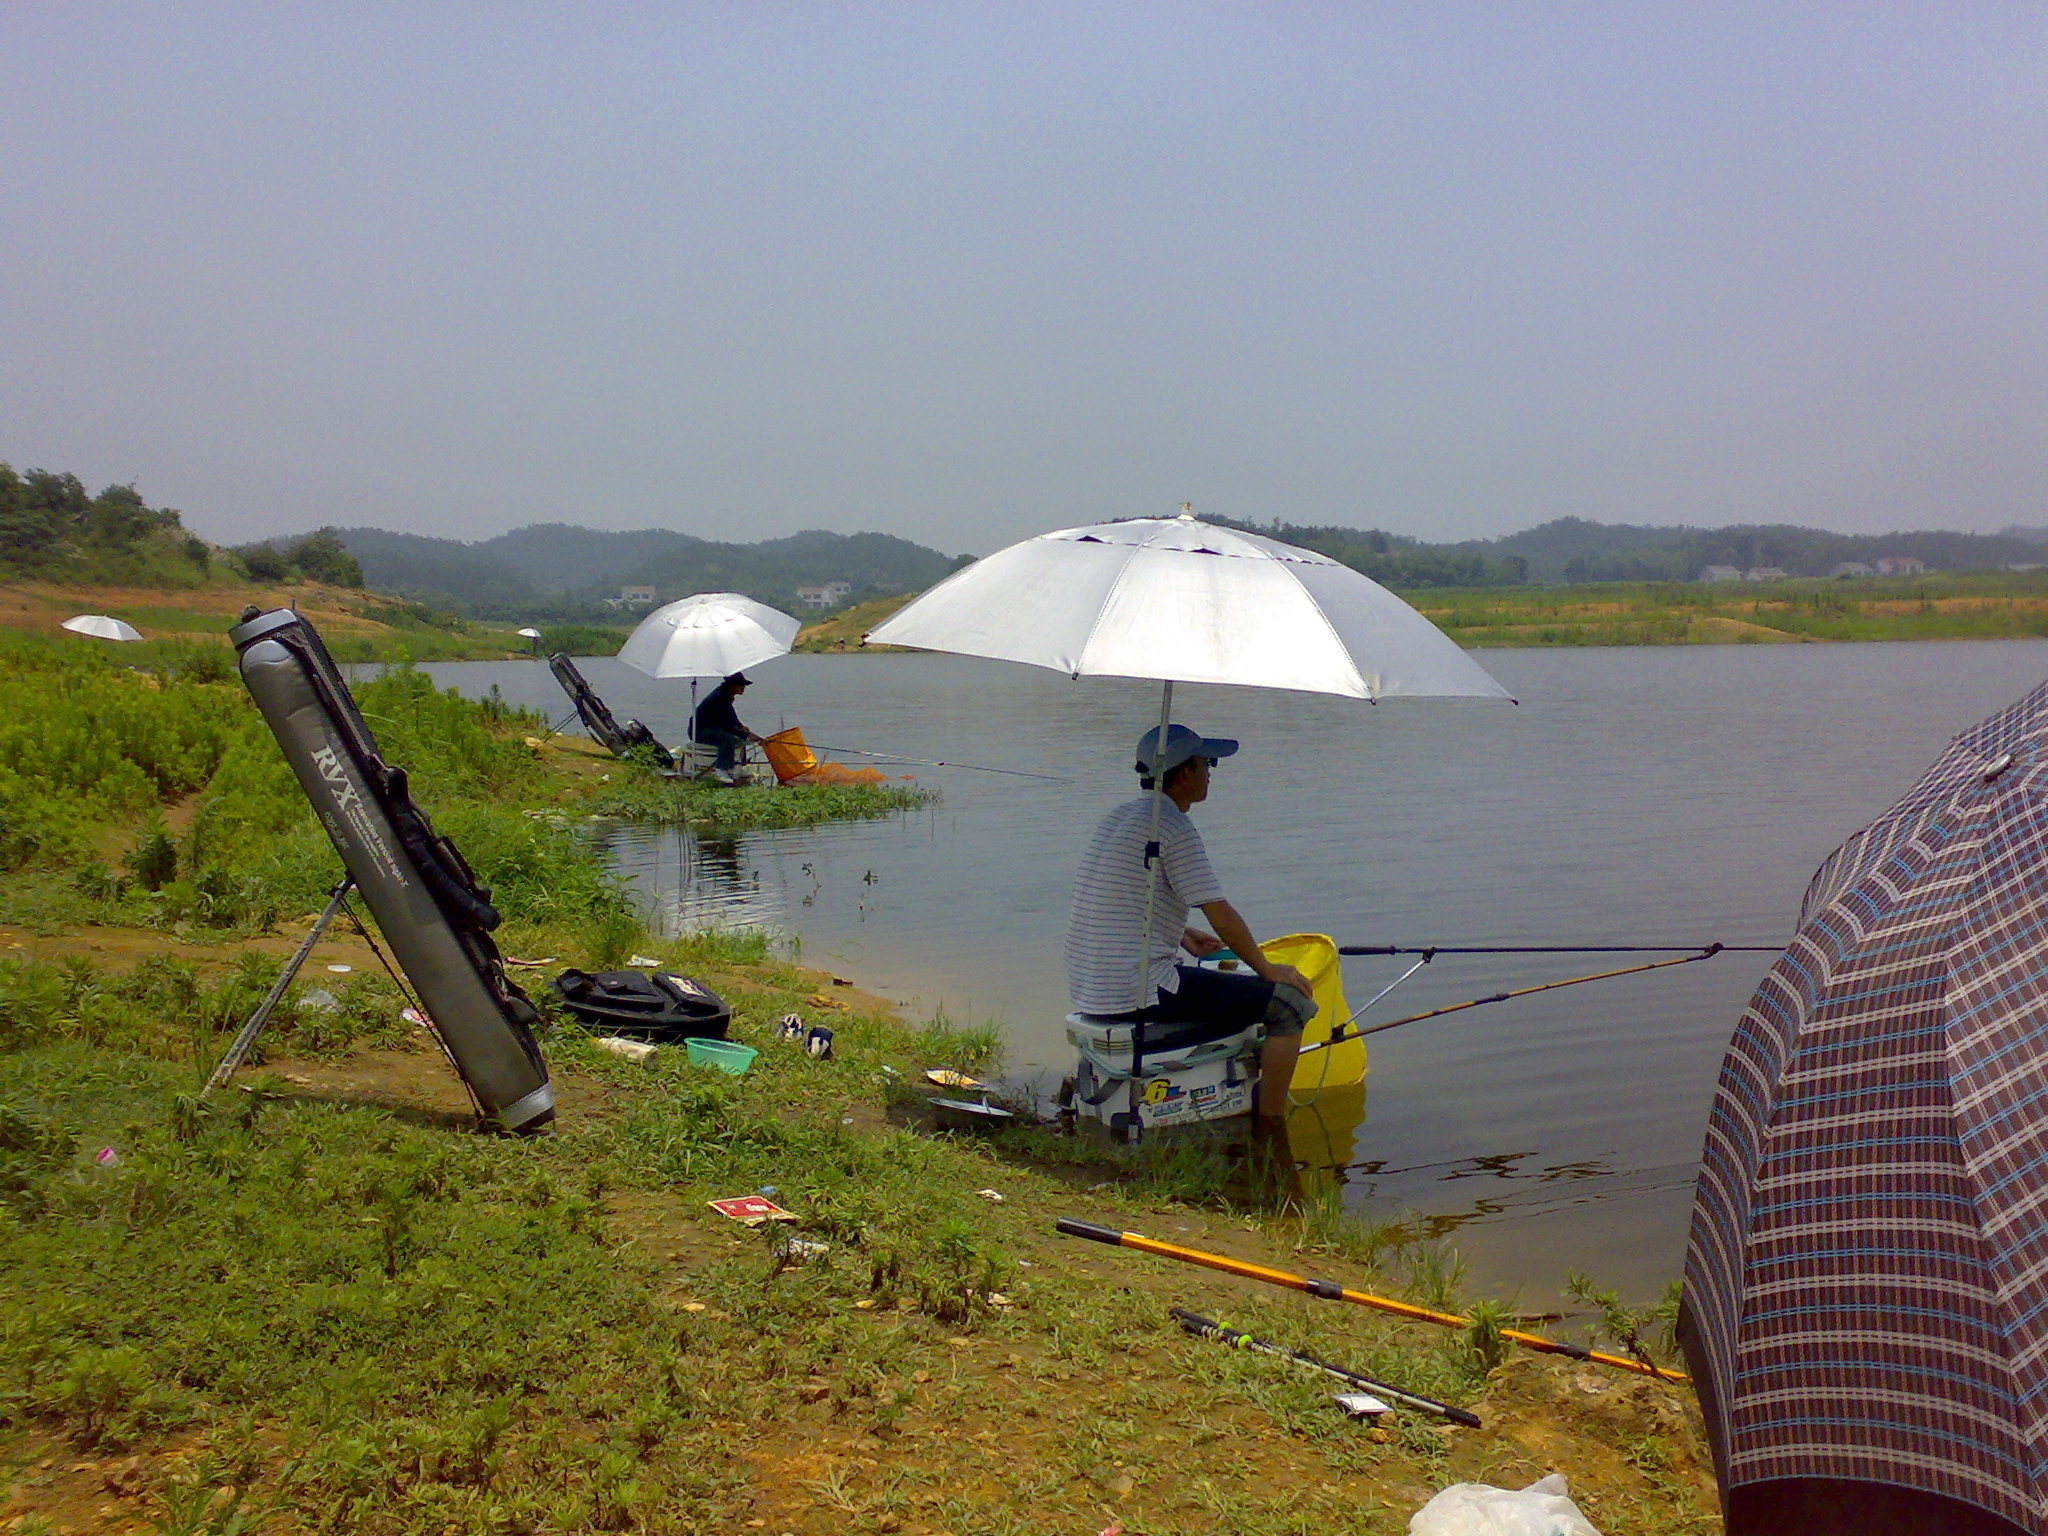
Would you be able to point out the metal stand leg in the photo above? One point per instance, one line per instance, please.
(245, 1041)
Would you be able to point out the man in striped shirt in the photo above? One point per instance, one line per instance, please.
(1107, 934)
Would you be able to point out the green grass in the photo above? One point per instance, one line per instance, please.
(1981, 605)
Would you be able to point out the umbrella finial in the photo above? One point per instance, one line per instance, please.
(1187, 511)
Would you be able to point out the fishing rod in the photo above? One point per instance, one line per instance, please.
(1500, 997)
(1554, 949)
(929, 762)
(1206, 1328)
(1329, 1290)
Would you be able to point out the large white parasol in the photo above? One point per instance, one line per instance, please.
(101, 627)
(1181, 600)
(1185, 601)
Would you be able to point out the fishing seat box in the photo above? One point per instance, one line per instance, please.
(1184, 1075)
(659, 1007)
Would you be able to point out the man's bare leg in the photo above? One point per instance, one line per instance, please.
(1276, 1071)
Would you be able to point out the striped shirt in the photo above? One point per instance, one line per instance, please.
(1105, 934)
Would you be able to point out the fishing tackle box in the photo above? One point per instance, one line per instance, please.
(640, 1005)
(1131, 1079)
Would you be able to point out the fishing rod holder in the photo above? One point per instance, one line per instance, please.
(245, 1038)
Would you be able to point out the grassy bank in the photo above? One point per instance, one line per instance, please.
(358, 626)
(1990, 605)
(318, 1302)
(2002, 605)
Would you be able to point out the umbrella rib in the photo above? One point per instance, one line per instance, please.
(1102, 609)
(1365, 689)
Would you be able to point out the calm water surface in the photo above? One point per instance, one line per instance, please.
(1680, 795)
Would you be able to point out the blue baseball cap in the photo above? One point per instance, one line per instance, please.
(1182, 745)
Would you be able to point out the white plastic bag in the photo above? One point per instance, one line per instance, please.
(1544, 1508)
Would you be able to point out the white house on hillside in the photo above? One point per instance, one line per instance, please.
(1720, 573)
(826, 596)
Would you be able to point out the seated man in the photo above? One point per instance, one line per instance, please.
(1106, 935)
(717, 724)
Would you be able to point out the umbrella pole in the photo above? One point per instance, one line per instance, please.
(1152, 864)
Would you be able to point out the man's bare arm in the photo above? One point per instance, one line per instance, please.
(1231, 928)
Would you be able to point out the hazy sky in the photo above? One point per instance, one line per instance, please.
(966, 272)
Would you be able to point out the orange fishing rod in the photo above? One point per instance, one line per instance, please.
(1329, 1290)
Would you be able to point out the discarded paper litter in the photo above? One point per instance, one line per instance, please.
(751, 1210)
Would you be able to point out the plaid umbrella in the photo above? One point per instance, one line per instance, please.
(1867, 1281)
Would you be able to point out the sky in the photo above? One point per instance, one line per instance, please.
(966, 272)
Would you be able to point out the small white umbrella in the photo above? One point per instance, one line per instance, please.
(712, 634)
(100, 627)
(1181, 600)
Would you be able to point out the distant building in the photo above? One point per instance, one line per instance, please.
(1720, 573)
(826, 596)
(1900, 565)
(631, 595)
(1850, 568)
(1763, 573)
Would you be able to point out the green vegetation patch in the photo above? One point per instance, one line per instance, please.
(645, 797)
(2002, 605)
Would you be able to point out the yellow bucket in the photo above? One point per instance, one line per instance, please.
(1337, 1066)
(788, 755)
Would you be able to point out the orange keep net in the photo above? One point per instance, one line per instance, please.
(796, 763)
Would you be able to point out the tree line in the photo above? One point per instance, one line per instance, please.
(1571, 550)
(52, 529)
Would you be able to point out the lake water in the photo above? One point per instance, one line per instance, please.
(1680, 795)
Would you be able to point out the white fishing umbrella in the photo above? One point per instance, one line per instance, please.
(712, 634)
(100, 627)
(1185, 601)
(1181, 600)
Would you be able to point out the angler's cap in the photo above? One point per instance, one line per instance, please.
(1182, 745)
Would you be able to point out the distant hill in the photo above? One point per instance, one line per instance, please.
(555, 571)
(1574, 549)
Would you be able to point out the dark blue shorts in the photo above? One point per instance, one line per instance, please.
(1209, 1005)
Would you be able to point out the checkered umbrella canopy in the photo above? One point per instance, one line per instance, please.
(1867, 1280)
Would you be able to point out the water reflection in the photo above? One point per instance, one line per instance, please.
(1323, 1132)
(689, 882)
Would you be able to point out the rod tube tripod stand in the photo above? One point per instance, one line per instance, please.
(245, 1039)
